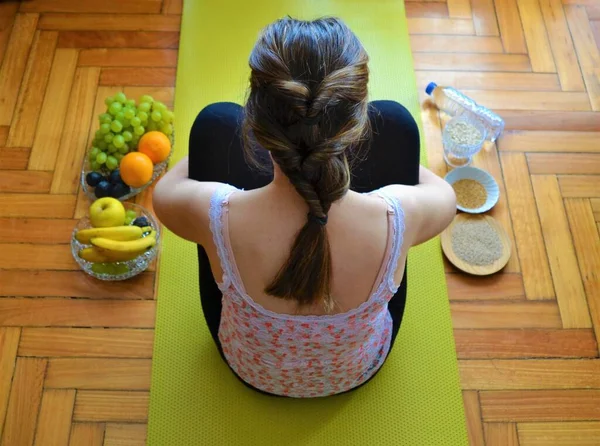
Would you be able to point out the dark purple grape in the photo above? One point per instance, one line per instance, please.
(103, 189)
(119, 190)
(93, 178)
(142, 222)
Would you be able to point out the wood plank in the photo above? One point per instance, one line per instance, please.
(172, 7)
(460, 9)
(36, 205)
(528, 235)
(531, 100)
(473, 62)
(495, 287)
(587, 51)
(154, 77)
(7, 17)
(593, 12)
(98, 374)
(426, 25)
(32, 90)
(532, 374)
(489, 160)
(568, 285)
(540, 405)
(73, 284)
(505, 315)
(475, 80)
(4, 129)
(9, 343)
(596, 210)
(549, 141)
(28, 256)
(571, 433)
(563, 163)
(455, 44)
(88, 434)
(473, 417)
(510, 26)
(433, 137)
(36, 230)
(125, 434)
(14, 158)
(587, 246)
(109, 22)
(46, 142)
(93, 405)
(89, 342)
(33, 182)
(576, 186)
(550, 120)
(24, 402)
(118, 39)
(125, 57)
(14, 62)
(50, 312)
(536, 36)
(432, 10)
(106, 6)
(163, 94)
(519, 343)
(501, 434)
(562, 46)
(484, 18)
(54, 423)
(75, 133)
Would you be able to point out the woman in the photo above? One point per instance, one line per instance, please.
(302, 268)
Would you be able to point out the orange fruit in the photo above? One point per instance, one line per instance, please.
(136, 169)
(156, 145)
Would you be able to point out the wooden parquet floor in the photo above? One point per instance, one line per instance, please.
(75, 354)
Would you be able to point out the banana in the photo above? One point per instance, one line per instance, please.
(120, 233)
(93, 255)
(116, 256)
(129, 246)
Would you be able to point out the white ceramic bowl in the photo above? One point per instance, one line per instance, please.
(481, 176)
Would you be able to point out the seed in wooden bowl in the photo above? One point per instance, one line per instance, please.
(476, 242)
(470, 194)
(463, 133)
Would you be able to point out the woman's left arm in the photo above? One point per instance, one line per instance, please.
(182, 204)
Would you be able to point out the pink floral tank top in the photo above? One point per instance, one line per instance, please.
(304, 356)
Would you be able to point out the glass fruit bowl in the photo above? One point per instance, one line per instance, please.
(157, 172)
(119, 270)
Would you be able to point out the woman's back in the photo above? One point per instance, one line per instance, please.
(263, 225)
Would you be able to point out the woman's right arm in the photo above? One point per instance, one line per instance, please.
(429, 207)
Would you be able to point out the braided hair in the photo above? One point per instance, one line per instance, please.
(308, 107)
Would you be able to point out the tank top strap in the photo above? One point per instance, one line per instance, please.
(218, 226)
(396, 213)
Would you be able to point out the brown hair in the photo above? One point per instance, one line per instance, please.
(308, 106)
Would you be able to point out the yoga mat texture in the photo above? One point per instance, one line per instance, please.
(195, 400)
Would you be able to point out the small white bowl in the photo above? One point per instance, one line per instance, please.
(481, 176)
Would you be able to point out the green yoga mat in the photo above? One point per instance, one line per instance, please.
(195, 400)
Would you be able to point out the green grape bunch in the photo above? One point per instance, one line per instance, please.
(122, 126)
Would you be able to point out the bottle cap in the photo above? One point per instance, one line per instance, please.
(429, 89)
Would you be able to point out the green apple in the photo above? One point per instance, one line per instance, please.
(107, 212)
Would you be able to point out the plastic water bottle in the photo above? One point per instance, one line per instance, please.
(453, 102)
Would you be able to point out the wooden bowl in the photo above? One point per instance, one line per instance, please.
(468, 267)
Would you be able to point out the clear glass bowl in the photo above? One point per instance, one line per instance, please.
(135, 266)
(158, 171)
(459, 154)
